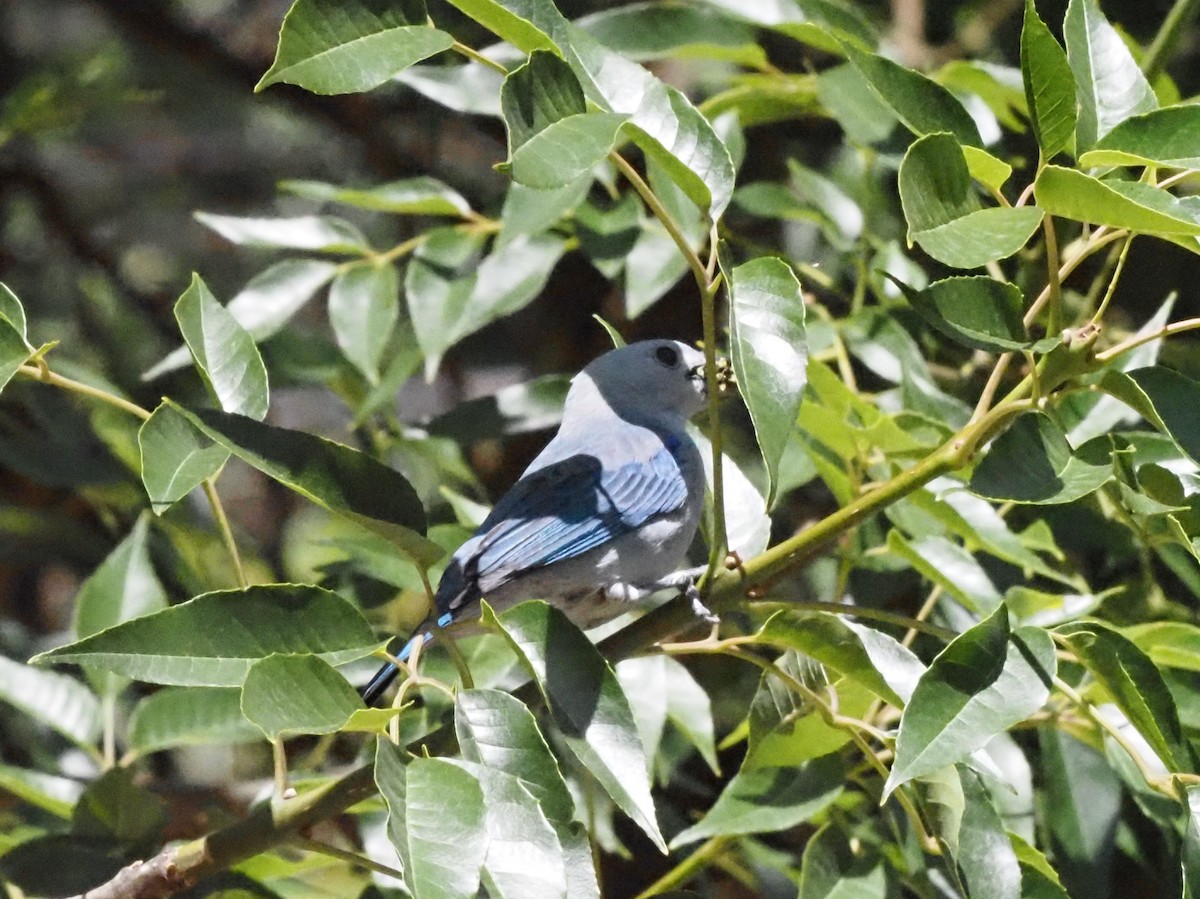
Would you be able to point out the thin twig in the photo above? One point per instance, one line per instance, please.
(1188, 324)
(354, 858)
(40, 373)
(222, 521)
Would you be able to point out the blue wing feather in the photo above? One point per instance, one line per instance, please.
(562, 511)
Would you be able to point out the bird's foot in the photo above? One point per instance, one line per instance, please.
(692, 592)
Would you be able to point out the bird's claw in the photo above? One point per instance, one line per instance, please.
(698, 607)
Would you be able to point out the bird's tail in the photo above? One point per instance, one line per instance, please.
(384, 676)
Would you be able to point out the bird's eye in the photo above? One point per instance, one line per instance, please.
(668, 356)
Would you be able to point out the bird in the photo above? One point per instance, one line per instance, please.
(603, 516)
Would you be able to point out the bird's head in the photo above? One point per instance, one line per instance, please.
(649, 382)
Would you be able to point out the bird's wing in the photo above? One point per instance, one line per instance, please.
(561, 511)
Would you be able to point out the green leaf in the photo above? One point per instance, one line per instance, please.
(764, 800)
(1038, 879)
(409, 196)
(1191, 844)
(322, 233)
(985, 168)
(855, 105)
(1049, 85)
(769, 353)
(451, 294)
(985, 855)
(176, 458)
(974, 310)
(524, 857)
(12, 311)
(114, 808)
(662, 122)
(538, 94)
(285, 695)
(348, 46)
(945, 217)
(922, 106)
(1032, 462)
(1086, 794)
(877, 661)
(986, 680)
(553, 141)
(223, 351)
(1068, 193)
(122, 588)
(950, 566)
(56, 700)
(566, 150)
(334, 476)
(1110, 86)
(364, 304)
(517, 409)
(1167, 137)
(1169, 644)
(528, 211)
(650, 31)
(1135, 685)
(437, 821)
(496, 729)
(472, 88)
(747, 524)
(689, 710)
(528, 25)
(1173, 398)
(1092, 413)
(212, 640)
(834, 868)
(587, 702)
(56, 795)
(998, 86)
(607, 235)
(264, 305)
(13, 350)
(189, 716)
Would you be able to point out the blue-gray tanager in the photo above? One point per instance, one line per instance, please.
(604, 515)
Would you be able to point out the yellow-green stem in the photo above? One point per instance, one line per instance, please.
(40, 373)
(218, 510)
(1112, 282)
(1188, 324)
(688, 868)
(360, 861)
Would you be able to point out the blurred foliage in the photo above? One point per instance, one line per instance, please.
(359, 247)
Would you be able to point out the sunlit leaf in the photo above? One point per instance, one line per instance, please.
(1119, 204)
(1109, 84)
(364, 304)
(763, 800)
(223, 351)
(347, 46)
(54, 699)
(945, 217)
(768, 351)
(176, 457)
(982, 683)
(1049, 85)
(409, 196)
(213, 640)
(587, 702)
(1135, 685)
(922, 105)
